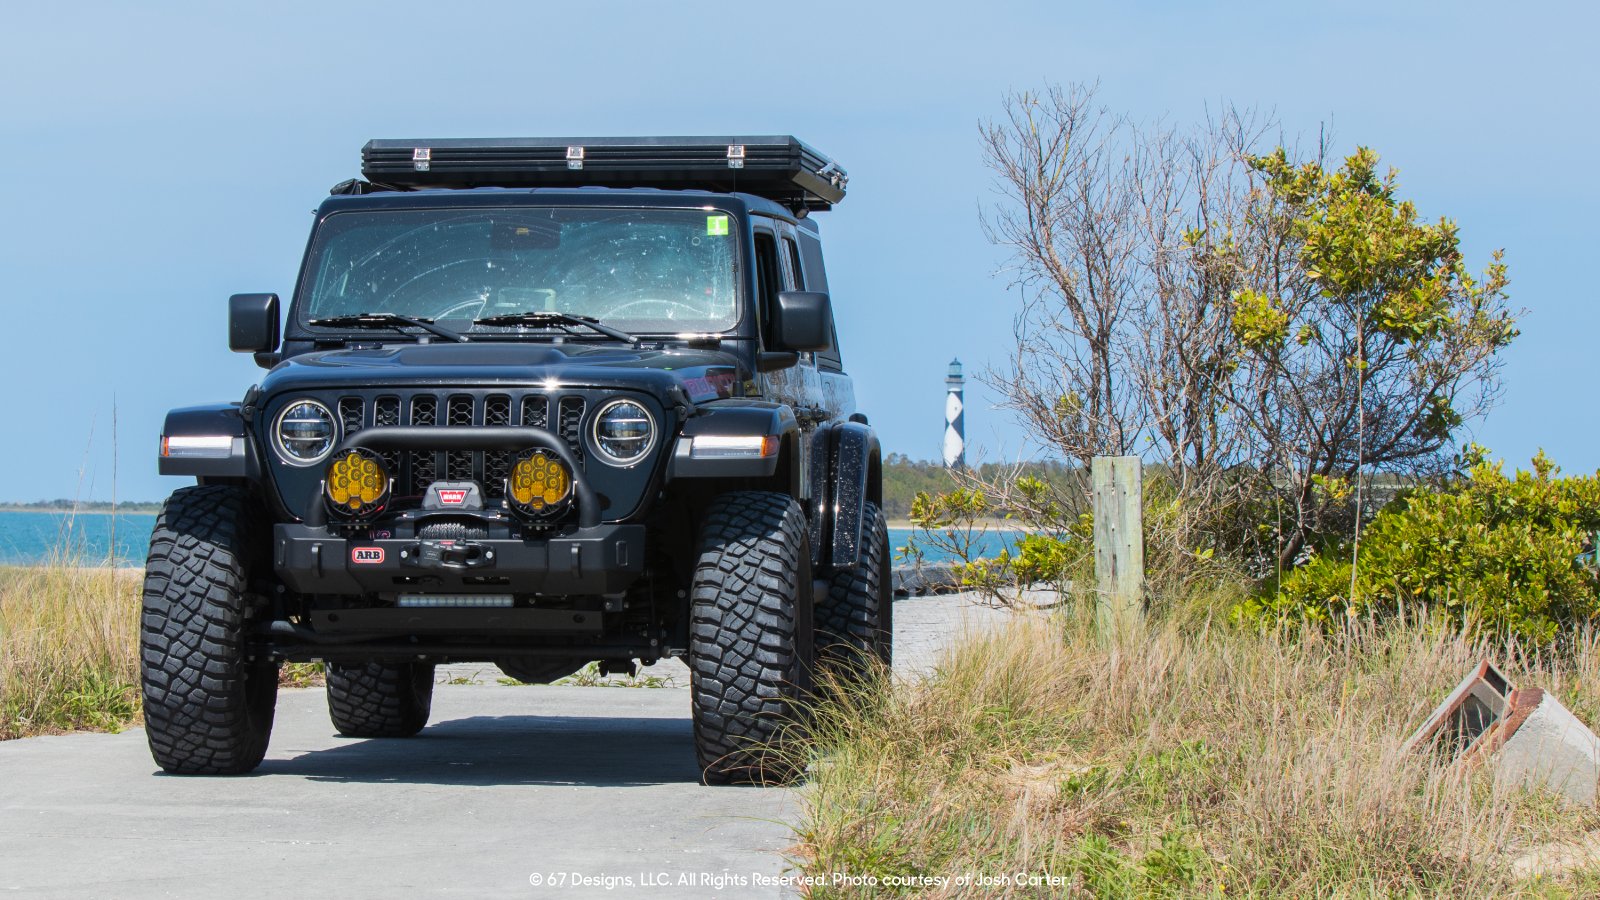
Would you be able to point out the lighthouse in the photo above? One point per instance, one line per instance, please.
(955, 446)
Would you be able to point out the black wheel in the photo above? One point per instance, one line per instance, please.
(750, 638)
(207, 704)
(374, 700)
(855, 624)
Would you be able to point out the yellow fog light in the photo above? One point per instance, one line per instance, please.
(357, 483)
(539, 483)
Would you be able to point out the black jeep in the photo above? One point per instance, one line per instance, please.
(540, 403)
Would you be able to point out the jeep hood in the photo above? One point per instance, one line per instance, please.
(702, 374)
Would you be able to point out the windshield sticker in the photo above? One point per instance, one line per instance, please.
(716, 224)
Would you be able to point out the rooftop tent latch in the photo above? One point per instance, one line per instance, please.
(421, 159)
(735, 156)
(574, 157)
(835, 175)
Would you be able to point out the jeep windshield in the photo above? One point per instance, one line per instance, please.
(644, 271)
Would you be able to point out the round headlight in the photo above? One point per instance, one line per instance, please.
(623, 432)
(305, 433)
(356, 483)
(540, 484)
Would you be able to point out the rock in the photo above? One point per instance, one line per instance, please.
(1542, 744)
(1554, 859)
(933, 578)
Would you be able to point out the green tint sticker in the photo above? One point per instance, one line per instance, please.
(716, 224)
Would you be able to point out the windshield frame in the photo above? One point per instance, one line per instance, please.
(489, 201)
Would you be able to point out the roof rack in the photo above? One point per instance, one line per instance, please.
(780, 168)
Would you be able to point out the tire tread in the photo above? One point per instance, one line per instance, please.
(745, 669)
(208, 709)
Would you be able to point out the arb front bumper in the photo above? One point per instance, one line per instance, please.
(603, 559)
(592, 558)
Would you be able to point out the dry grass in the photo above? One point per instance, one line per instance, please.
(69, 643)
(1181, 763)
(69, 650)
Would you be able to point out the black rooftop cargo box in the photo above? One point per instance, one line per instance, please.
(780, 168)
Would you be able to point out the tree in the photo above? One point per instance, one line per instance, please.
(1122, 249)
(1363, 342)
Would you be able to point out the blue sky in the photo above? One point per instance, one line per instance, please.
(159, 157)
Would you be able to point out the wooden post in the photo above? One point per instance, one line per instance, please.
(1119, 538)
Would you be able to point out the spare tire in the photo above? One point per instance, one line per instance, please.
(540, 669)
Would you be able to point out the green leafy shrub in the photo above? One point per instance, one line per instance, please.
(957, 522)
(1499, 552)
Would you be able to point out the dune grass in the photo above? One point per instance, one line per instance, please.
(1179, 762)
(69, 649)
(69, 644)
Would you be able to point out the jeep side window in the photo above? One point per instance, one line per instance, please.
(793, 254)
(816, 279)
(768, 283)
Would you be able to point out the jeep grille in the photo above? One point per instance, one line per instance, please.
(413, 471)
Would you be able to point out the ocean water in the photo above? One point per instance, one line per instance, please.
(989, 545)
(33, 537)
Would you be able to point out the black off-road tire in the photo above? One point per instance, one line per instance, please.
(375, 700)
(855, 624)
(750, 639)
(208, 706)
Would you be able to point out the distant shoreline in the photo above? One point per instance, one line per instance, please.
(141, 510)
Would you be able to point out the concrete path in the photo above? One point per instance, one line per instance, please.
(507, 786)
(923, 626)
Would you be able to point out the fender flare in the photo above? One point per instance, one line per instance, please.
(846, 474)
(743, 418)
(211, 420)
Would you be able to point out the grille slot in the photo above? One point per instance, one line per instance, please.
(496, 463)
(351, 414)
(458, 463)
(536, 410)
(570, 425)
(424, 463)
(386, 413)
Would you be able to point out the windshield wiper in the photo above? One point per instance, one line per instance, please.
(558, 320)
(387, 320)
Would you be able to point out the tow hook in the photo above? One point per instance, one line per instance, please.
(447, 555)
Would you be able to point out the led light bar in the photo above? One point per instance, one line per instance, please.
(416, 600)
(203, 446)
(723, 446)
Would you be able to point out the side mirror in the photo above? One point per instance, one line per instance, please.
(803, 321)
(253, 323)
